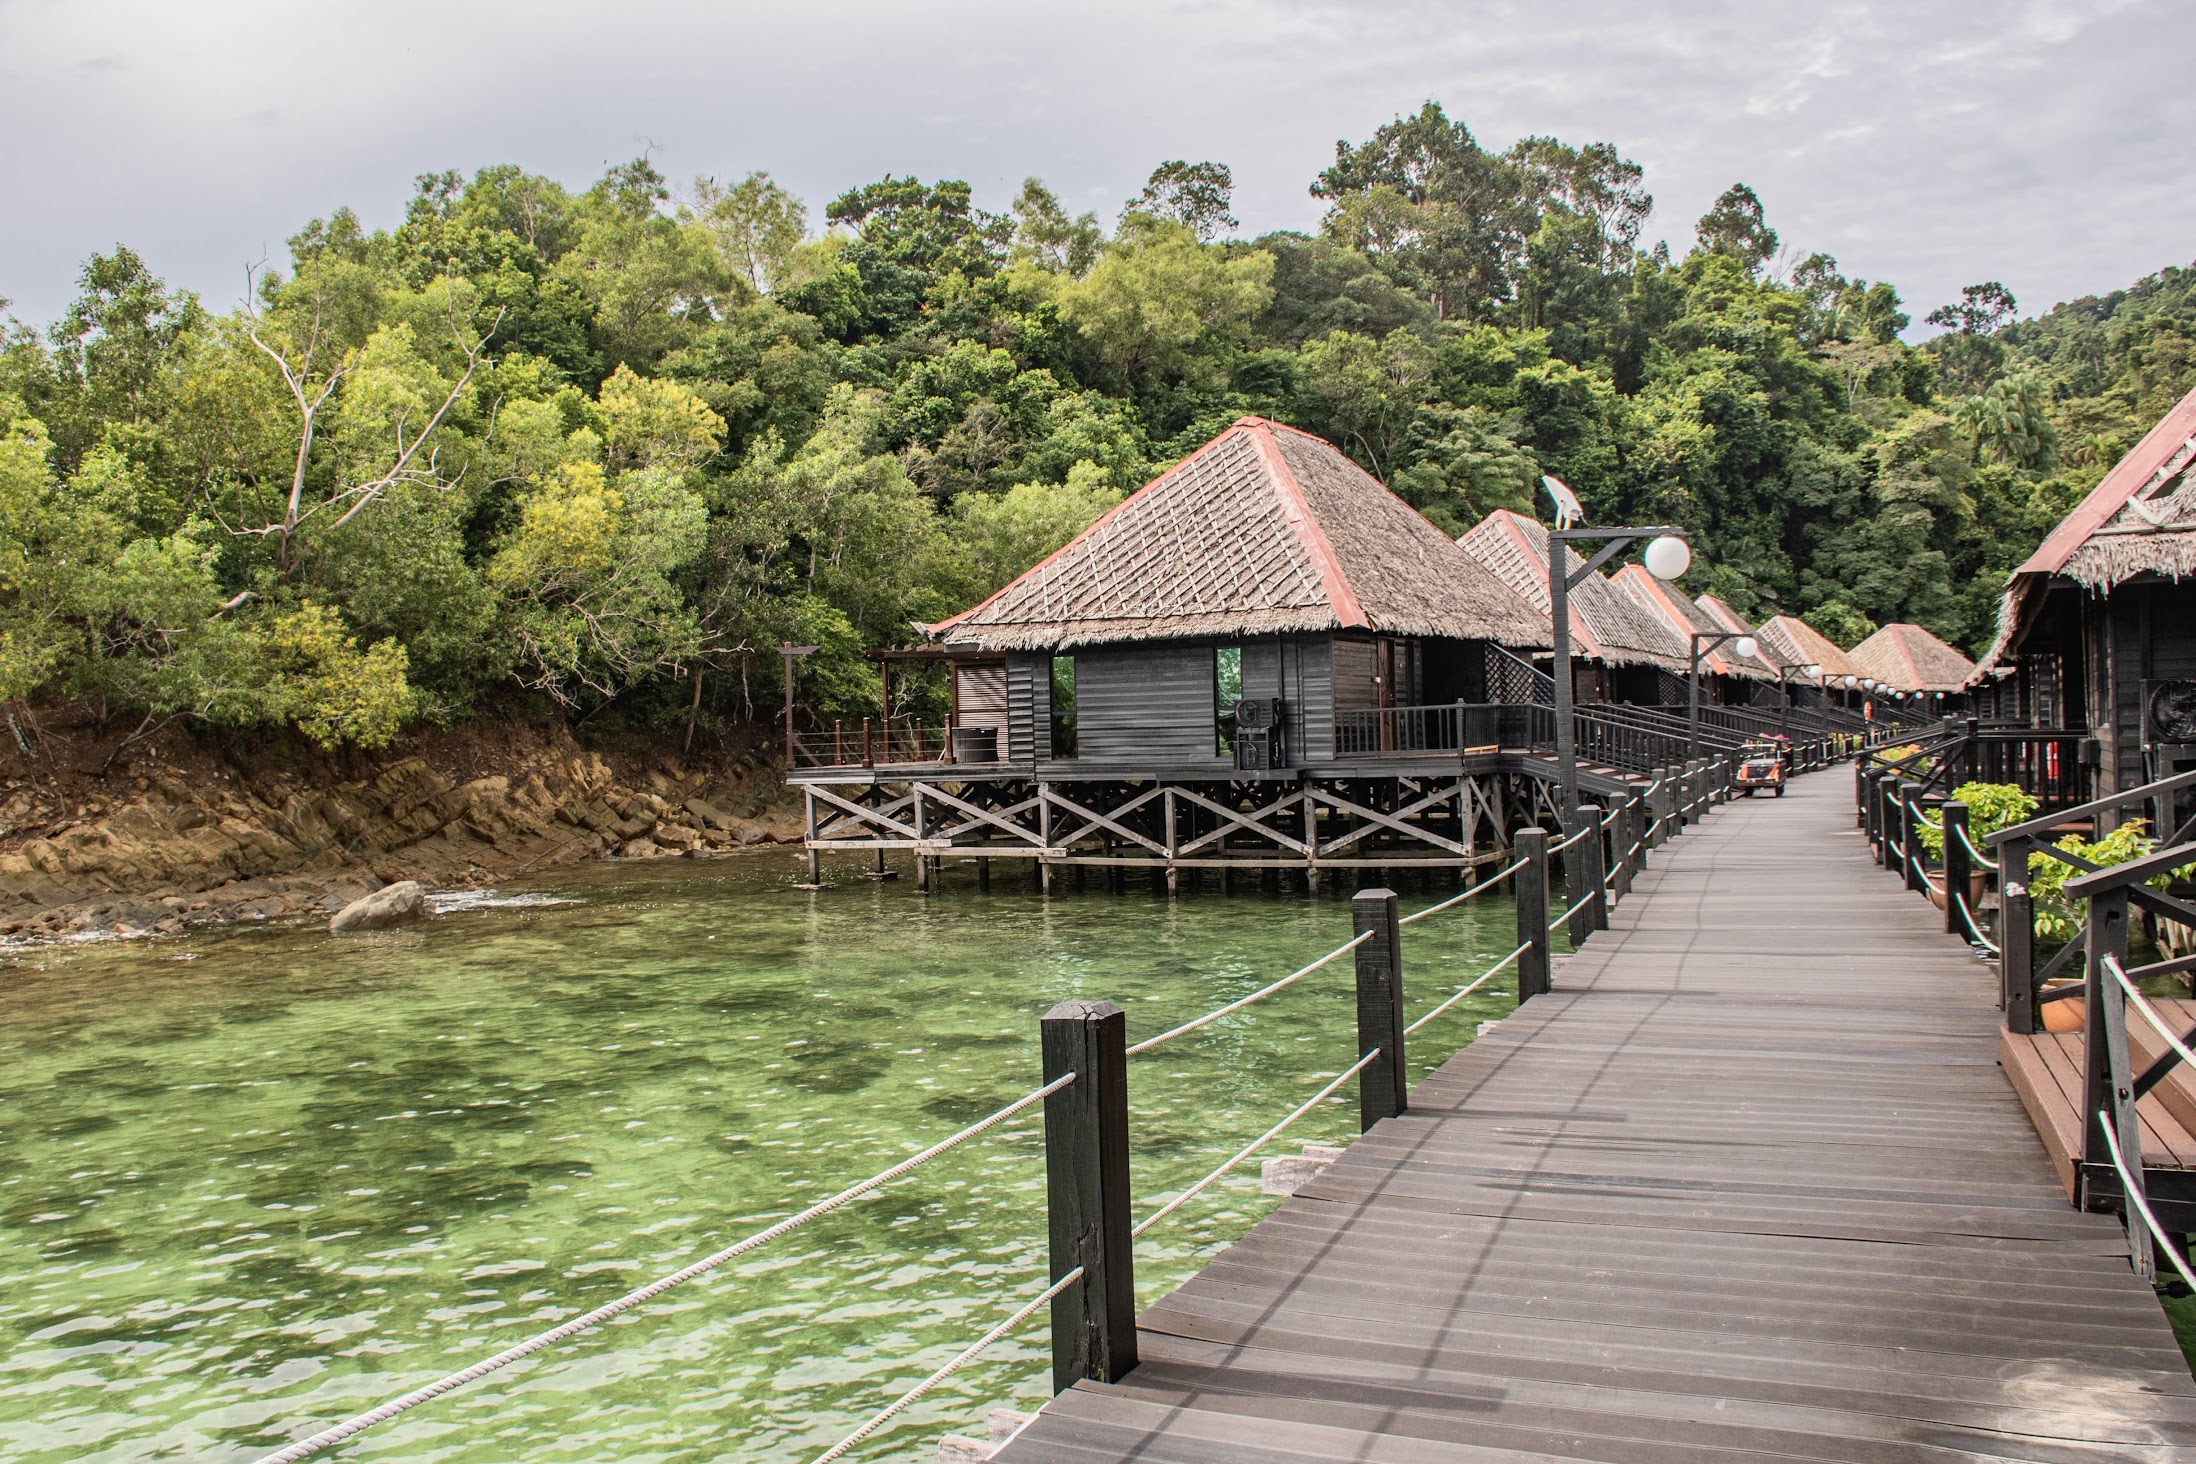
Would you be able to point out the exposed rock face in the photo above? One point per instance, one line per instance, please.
(406, 900)
(175, 848)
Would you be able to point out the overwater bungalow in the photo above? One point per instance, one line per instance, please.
(1262, 656)
(2096, 639)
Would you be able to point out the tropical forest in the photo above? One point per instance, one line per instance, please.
(593, 453)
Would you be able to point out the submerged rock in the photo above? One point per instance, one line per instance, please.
(402, 901)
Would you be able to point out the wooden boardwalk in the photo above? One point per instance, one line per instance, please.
(1748, 1185)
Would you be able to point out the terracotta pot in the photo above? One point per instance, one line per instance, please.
(2061, 1016)
(1974, 893)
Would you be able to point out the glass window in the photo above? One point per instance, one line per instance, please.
(1063, 706)
(1227, 690)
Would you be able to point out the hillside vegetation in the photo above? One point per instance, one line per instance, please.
(596, 453)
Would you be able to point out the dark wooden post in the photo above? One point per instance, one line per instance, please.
(1588, 856)
(2016, 938)
(2107, 937)
(1954, 817)
(1383, 1085)
(1868, 803)
(1623, 837)
(1910, 814)
(869, 751)
(1860, 796)
(1531, 886)
(1087, 1192)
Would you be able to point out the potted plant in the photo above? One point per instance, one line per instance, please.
(1990, 807)
(2060, 918)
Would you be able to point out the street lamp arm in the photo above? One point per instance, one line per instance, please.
(1619, 541)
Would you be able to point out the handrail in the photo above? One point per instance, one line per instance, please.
(2046, 822)
(2134, 1192)
(1476, 982)
(2133, 871)
(1243, 1001)
(1969, 916)
(1478, 889)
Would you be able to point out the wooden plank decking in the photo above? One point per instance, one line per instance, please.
(1748, 1185)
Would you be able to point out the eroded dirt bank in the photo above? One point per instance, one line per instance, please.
(189, 830)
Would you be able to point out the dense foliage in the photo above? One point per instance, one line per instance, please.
(609, 448)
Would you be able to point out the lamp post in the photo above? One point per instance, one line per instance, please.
(1667, 558)
(1703, 642)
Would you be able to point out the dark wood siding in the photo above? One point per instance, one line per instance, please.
(980, 693)
(1307, 665)
(1355, 666)
(1147, 701)
(1029, 706)
(2152, 638)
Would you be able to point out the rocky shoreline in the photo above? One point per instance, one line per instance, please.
(163, 848)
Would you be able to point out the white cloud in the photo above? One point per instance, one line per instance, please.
(1929, 144)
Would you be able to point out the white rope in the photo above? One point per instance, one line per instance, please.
(1934, 828)
(1567, 843)
(328, 1438)
(914, 1394)
(2129, 1188)
(1463, 992)
(1976, 855)
(1253, 1146)
(1582, 899)
(2150, 1013)
(1478, 889)
(1965, 914)
(1240, 1002)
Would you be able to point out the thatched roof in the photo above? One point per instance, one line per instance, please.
(2140, 520)
(1793, 641)
(1263, 530)
(1908, 658)
(1685, 619)
(1606, 624)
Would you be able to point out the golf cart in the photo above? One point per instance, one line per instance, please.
(1763, 763)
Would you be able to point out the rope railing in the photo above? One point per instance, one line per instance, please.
(1976, 856)
(1252, 1147)
(328, 1438)
(1969, 916)
(1243, 1001)
(2150, 1013)
(1554, 924)
(1478, 981)
(2134, 1192)
(1478, 889)
(968, 1354)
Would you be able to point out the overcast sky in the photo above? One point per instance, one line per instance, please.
(1934, 145)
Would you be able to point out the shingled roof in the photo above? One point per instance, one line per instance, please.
(2140, 519)
(1263, 530)
(1908, 658)
(1606, 624)
(1796, 643)
(1676, 609)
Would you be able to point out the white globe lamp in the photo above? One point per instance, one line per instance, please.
(1667, 557)
(1849, 682)
(1747, 647)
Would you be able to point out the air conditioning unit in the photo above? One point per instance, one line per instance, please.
(1258, 711)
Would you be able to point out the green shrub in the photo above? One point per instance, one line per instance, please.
(2060, 917)
(1990, 807)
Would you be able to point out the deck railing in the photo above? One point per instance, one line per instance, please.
(871, 742)
(1086, 1056)
(2090, 965)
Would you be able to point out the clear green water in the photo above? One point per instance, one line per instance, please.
(256, 1181)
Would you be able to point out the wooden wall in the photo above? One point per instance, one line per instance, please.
(1029, 706)
(1152, 700)
(2147, 633)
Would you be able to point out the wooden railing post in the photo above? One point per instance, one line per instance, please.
(1087, 1192)
(1623, 836)
(1954, 818)
(1383, 1085)
(2107, 937)
(1917, 862)
(869, 751)
(1531, 885)
(1593, 872)
(2016, 938)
